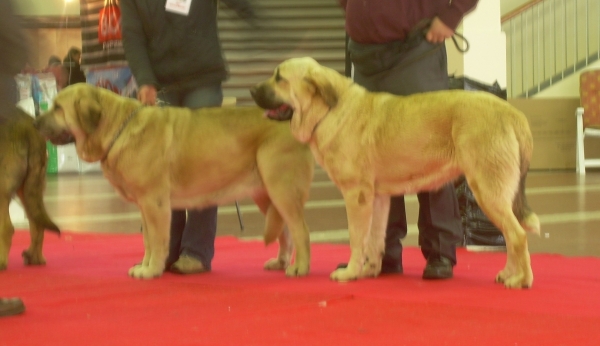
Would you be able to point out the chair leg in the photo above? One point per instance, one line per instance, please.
(580, 151)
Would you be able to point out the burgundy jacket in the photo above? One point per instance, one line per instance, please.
(382, 21)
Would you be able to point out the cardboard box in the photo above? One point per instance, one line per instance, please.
(553, 126)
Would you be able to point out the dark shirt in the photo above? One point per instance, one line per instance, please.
(383, 21)
(13, 55)
(165, 49)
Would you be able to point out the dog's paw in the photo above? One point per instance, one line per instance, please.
(276, 264)
(515, 281)
(32, 259)
(297, 270)
(371, 269)
(144, 272)
(343, 275)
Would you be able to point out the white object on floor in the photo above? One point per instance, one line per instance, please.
(16, 211)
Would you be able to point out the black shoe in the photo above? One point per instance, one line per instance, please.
(438, 267)
(391, 268)
(11, 306)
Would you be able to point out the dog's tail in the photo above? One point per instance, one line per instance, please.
(32, 190)
(528, 219)
(274, 225)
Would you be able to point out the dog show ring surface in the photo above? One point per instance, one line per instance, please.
(84, 296)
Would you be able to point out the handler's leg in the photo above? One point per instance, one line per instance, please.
(395, 232)
(439, 231)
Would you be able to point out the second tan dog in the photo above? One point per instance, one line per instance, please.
(374, 145)
(177, 158)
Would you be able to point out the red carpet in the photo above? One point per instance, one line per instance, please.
(83, 296)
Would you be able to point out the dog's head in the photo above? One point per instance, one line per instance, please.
(301, 90)
(74, 118)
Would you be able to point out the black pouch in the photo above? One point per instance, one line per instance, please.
(371, 59)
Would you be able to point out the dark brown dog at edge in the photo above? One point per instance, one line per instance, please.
(23, 162)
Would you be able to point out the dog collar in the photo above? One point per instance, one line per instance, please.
(123, 125)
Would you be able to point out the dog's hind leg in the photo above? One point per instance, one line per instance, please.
(275, 228)
(286, 170)
(32, 197)
(376, 243)
(291, 208)
(495, 197)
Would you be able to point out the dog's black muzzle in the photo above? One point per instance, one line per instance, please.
(265, 99)
(56, 136)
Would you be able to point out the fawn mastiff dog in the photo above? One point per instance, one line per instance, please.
(23, 174)
(164, 158)
(374, 145)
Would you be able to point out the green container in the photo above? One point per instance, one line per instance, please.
(52, 166)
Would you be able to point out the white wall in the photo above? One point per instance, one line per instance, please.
(46, 7)
(486, 59)
(509, 5)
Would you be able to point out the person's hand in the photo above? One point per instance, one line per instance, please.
(147, 95)
(438, 31)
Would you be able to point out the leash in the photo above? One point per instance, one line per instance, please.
(123, 125)
(417, 34)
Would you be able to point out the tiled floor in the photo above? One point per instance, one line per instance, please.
(568, 206)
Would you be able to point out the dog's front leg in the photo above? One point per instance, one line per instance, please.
(376, 240)
(156, 215)
(359, 208)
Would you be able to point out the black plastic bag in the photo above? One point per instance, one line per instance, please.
(477, 228)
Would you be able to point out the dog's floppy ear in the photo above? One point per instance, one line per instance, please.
(89, 112)
(323, 88)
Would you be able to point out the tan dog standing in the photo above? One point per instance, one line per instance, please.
(23, 173)
(177, 158)
(374, 145)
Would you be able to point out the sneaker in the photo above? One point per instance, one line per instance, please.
(438, 267)
(11, 306)
(187, 265)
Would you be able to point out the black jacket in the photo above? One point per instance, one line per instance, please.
(171, 50)
(13, 54)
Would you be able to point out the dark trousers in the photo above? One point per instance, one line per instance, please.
(193, 231)
(422, 68)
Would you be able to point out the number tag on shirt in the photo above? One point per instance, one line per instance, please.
(179, 6)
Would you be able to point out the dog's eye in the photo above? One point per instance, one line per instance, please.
(278, 77)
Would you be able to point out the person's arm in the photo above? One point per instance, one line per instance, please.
(12, 40)
(136, 52)
(343, 3)
(448, 18)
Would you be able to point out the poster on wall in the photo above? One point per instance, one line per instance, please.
(100, 34)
